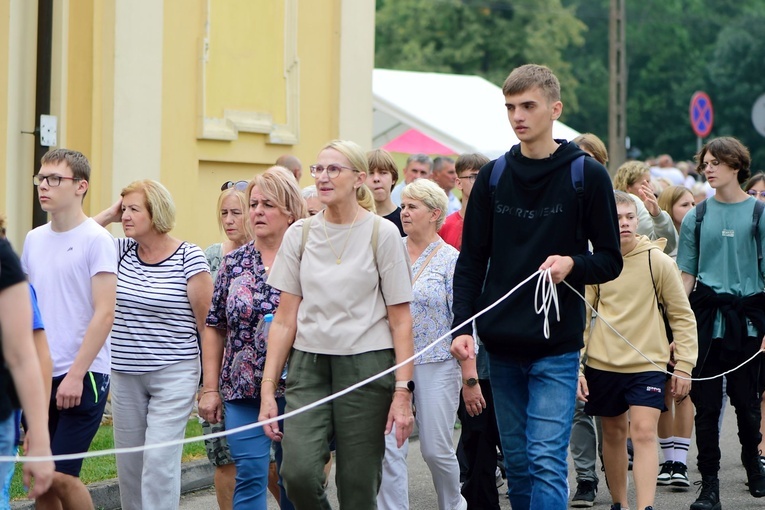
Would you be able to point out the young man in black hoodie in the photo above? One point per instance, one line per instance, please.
(530, 221)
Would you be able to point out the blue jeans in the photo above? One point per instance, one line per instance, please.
(251, 453)
(7, 447)
(534, 403)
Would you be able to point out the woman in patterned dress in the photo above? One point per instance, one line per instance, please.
(233, 355)
(231, 210)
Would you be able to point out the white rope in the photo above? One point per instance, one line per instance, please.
(660, 368)
(308, 407)
(546, 297)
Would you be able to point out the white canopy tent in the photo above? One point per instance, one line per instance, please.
(464, 113)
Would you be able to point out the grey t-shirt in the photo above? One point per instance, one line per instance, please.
(343, 310)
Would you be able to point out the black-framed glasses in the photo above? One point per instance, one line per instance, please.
(471, 177)
(53, 179)
(332, 169)
(238, 185)
(756, 194)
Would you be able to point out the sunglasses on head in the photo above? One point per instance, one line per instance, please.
(238, 185)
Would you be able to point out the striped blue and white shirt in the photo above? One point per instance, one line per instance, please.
(154, 324)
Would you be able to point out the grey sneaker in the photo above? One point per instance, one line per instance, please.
(586, 490)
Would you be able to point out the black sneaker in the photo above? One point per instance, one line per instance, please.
(680, 476)
(709, 497)
(586, 490)
(755, 476)
(665, 473)
(616, 506)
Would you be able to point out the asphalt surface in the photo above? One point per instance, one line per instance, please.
(422, 495)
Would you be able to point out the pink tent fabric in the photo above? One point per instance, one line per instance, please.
(413, 142)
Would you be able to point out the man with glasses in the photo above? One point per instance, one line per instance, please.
(723, 273)
(72, 263)
(467, 171)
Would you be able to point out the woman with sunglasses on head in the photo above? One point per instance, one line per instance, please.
(233, 346)
(341, 273)
(231, 207)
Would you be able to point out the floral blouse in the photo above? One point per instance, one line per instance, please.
(432, 305)
(240, 299)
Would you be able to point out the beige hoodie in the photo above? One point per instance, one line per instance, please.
(628, 303)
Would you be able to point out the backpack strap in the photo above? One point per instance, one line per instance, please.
(496, 172)
(759, 207)
(659, 305)
(701, 209)
(375, 239)
(577, 180)
(306, 229)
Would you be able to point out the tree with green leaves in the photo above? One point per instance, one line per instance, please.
(481, 37)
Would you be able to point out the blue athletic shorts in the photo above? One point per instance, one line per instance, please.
(612, 393)
(72, 430)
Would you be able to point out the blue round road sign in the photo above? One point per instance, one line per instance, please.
(702, 114)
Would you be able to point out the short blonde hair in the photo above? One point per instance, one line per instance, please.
(230, 192)
(280, 186)
(529, 76)
(429, 193)
(158, 202)
(624, 198)
(629, 173)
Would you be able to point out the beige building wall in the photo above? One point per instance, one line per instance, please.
(18, 46)
(191, 92)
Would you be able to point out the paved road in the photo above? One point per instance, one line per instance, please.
(422, 495)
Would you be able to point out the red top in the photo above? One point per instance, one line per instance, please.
(451, 230)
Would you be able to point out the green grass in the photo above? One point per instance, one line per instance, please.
(95, 469)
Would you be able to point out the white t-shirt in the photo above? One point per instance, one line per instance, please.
(154, 324)
(60, 266)
(343, 307)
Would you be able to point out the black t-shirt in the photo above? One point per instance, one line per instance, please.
(10, 274)
(395, 217)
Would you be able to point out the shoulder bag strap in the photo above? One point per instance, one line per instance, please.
(426, 262)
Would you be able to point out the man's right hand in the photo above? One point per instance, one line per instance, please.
(463, 347)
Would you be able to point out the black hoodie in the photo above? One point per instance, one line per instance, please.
(533, 215)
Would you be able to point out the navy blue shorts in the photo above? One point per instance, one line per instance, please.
(72, 430)
(612, 393)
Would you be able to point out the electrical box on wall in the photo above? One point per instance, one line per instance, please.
(48, 130)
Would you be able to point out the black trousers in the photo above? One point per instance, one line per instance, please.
(479, 440)
(744, 388)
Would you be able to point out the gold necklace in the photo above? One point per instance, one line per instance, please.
(338, 258)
